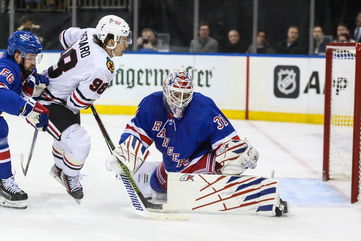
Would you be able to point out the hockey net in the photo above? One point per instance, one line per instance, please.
(341, 159)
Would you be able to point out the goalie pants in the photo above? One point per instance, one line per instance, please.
(206, 165)
(5, 160)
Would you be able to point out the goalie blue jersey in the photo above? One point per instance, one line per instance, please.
(10, 86)
(184, 141)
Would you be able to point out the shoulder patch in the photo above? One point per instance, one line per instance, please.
(8, 75)
(110, 65)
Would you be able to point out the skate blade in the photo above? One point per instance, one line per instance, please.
(13, 204)
(58, 179)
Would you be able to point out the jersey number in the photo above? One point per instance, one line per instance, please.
(221, 122)
(67, 61)
(98, 86)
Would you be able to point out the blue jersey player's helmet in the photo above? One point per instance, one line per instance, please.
(25, 42)
(177, 92)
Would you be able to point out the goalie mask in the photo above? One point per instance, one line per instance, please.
(114, 25)
(177, 92)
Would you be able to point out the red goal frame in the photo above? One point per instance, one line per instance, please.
(355, 175)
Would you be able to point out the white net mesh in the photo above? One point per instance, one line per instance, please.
(342, 111)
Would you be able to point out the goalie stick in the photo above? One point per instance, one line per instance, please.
(140, 204)
(25, 166)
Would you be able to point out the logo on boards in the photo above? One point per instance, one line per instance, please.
(286, 81)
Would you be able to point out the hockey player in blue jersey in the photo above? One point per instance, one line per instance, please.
(189, 130)
(18, 83)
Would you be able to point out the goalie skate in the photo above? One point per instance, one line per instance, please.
(282, 208)
(72, 184)
(11, 195)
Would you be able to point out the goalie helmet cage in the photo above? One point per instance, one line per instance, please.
(341, 149)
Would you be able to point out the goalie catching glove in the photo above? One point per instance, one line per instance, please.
(236, 156)
(131, 153)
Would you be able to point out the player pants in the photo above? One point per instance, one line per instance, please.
(5, 160)
(71, 141)
(206, 165)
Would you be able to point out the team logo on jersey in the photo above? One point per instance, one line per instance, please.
(110, 65)
(286, 81)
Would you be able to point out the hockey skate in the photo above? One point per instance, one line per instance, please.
(282, 208)
(11, 195)
(72, 184)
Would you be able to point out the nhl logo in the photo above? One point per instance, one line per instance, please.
(286, 81)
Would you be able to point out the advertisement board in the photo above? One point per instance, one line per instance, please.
(290, 88)
(281, 88)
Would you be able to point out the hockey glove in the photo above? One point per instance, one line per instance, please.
(35, 84)
(131, 153)
(36, 114)
(236, 156)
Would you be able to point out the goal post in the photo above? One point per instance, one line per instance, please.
(342, 115)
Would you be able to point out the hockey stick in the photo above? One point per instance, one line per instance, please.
(140, 205)
(25, 169)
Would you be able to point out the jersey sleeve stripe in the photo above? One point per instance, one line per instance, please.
(49, 96)
(145, 139)
(76, 99)
(221, 141)
(5, 154)
(82, 96)
(62, 40)
(3, 86)
(139, 129)
(76, 105)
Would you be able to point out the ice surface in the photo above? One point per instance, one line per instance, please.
(318, 210)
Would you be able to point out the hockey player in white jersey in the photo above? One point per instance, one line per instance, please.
(81, 75)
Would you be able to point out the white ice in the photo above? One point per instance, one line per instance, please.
(318, 211)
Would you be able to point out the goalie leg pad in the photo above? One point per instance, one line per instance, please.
(223, 194)
(143, 176)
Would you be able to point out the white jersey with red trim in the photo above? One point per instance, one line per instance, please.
(82, 73)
